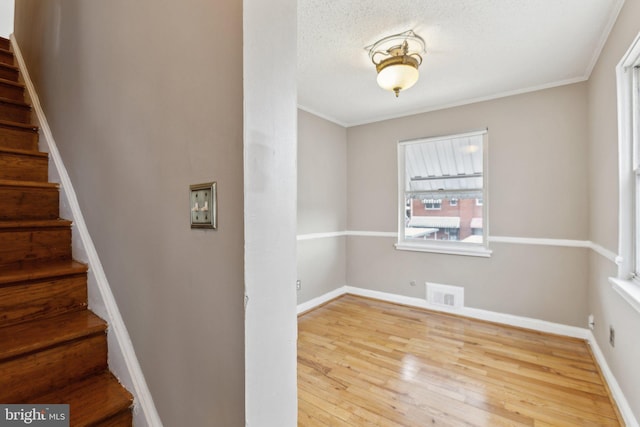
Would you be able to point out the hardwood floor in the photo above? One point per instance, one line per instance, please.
(363, 362)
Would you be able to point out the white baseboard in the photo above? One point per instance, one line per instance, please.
(122, 358)
(318, 301)
(475, 313)
(623, 405)
(506, 319)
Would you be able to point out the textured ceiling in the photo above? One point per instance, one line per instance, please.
(476, 49)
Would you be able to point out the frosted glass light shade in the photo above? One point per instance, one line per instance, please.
(398, 77)
(397, 59)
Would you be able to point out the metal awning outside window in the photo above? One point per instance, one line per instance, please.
(434, 222)
(446, 168)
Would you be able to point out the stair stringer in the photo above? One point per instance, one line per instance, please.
(123, 362)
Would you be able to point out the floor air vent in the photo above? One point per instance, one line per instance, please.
(445, 295)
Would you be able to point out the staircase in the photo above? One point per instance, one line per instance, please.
(52, 348)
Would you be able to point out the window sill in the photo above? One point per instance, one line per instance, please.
(445, 248)
(629, 290)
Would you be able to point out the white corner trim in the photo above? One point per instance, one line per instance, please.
(321, 115)
(569, 243)
(601, 250)
(144, 411)
(322, 299)
(357, 233)
(616, 392)
(604, 36)
(540, 241)
(468, 101)
(313, 236)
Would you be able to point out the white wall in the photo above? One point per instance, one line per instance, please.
(6, 18)
(270, 212)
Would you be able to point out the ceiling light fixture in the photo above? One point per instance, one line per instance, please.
(397, 59)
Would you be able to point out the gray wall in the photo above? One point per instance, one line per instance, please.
(141, 107)
(322, 204)
(6, 17)
(537, 188)
(607, 306)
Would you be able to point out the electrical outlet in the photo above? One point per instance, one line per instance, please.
(298, 284)
(591, 321)
(612, 336)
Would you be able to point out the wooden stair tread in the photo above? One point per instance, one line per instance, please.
(41, 270)
(90, 400)
(28, 184)
(4, 100)
(18, 125)
(50, 223)
(34, 335)
(33, 184)
(10, 66)
(12, 83)
(24, 152)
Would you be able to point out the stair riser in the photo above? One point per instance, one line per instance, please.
(6, 57)
(20, 139)
(35, 245)
(19, 203)
(20, 167)
(9, 91)
(5, 43)
(15, 113)
(9, 74)
(44, 298)
(40, 372)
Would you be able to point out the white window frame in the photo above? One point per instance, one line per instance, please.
(444, 246)
(627, 282)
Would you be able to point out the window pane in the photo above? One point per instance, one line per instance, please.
(443, 190)
(461, 221)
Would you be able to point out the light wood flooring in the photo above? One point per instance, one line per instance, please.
(363, 362)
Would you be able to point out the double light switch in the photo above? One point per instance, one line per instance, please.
(203, 205)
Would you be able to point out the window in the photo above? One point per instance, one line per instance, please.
(435, 170)
(627, 283)
(432, 204)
